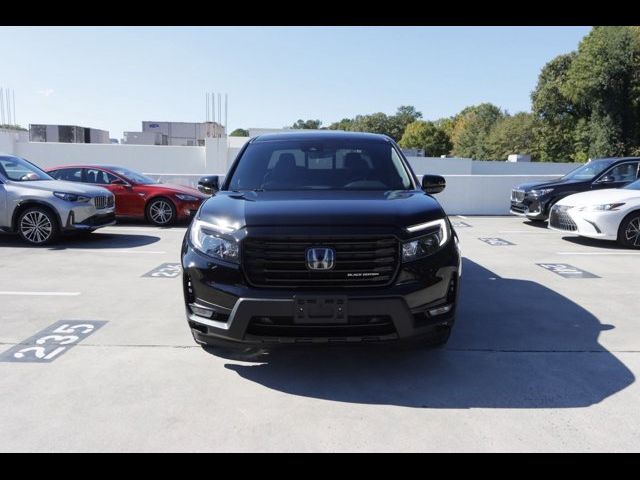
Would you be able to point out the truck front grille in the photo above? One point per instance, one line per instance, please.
(560, 219)
(358, 326)
(370, 261)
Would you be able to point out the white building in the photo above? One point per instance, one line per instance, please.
(187, 134)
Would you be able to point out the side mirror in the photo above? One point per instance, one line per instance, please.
(607, 179)
(119, 181)
(433, 184)
(209, 185)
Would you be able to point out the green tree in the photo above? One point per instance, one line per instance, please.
(513, 134)
(374, 123)
(344, 124)
(427, 136)
(557, 116)
(604, 83)
(307, 124)
(391, 125)
(588, 102)
(471, 130)
(405, 115)
(239, 132)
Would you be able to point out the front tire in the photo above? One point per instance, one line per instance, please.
(629, 233)
(38, 226)
(161, 212)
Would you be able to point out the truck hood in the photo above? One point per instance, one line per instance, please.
(321, 208)
(600, 197)
(64, 187)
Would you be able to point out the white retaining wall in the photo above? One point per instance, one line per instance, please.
(473, 187)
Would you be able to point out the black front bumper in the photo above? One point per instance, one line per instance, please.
(242, 314)
(531, 207)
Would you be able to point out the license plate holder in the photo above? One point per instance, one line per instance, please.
(319, 310)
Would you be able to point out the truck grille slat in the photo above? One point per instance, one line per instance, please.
(358, 262)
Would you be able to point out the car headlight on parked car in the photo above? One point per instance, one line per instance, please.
(71, 197)
(542, 192)
(436, 236)
(210, 240)
(187, 198)
(607, 207)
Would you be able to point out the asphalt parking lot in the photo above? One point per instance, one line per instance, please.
(542, 358)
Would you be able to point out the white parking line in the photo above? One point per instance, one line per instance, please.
(462, 216)
(598, 253)
(141, 229)
(42, 294)
(112, 250)
(524, 231)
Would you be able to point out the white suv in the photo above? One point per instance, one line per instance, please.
(39, 208)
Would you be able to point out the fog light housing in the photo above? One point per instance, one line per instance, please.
(434, 312)
(201, 311)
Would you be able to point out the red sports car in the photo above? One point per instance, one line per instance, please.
(137, 196)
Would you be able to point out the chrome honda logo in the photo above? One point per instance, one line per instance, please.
(321, 258)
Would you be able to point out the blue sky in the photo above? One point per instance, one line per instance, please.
(115, 77)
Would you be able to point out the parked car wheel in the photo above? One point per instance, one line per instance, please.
(629, 234)
(38, 226)
(161, 212)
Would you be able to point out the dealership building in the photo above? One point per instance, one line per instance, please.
(186, 134)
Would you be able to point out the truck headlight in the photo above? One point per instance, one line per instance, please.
(71, 197)
(210, 240)
(436, 236)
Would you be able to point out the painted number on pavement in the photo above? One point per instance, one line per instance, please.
(460, 225)
(566, 271)
(50, 343)
(496, 242)
(166, 270)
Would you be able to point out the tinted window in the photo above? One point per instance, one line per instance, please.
(625, 172)
(68, 174)
(99, 177)
(133, 177)
(320, 165)
(19, 170)
(589, 171)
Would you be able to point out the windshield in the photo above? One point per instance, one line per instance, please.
(320, 165)
(589, 171)
(133, 177)
(634, 186)
(19, 170)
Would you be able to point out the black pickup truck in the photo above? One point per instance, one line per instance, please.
(320, 237)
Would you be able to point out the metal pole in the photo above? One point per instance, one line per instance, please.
(15, 122)
(220, 109)
(8, 107)
(2, 105)
(206, 106)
